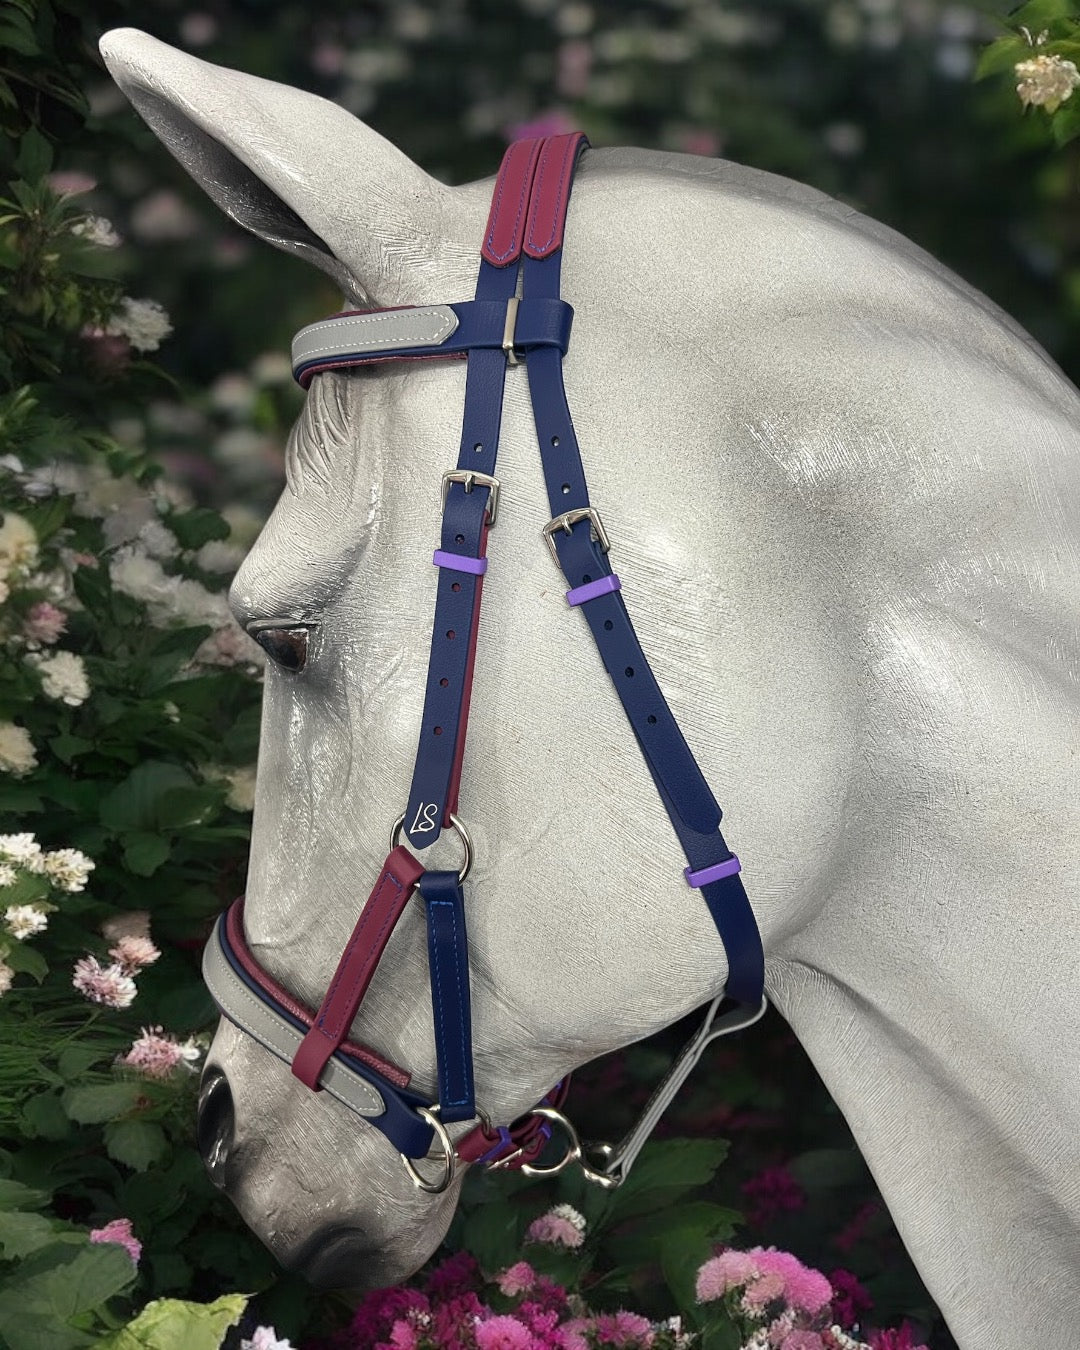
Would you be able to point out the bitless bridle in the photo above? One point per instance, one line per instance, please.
(497, 329)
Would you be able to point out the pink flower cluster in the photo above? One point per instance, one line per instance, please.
(764, 1275)
(119, 1231)
(114, 985)
(156, 1055)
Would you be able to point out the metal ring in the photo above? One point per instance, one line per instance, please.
(449, 1160)
(573, 1149)
(462, 834)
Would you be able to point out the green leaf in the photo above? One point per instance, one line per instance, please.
(136, 1143)
(665, 1171)
(21, 1234)
(198, 527)
(144, 853)
(74, 1060)
(173, 1324)
(134, 804)
(56, 1284)
(27, 961)
(490, 1233)
(43, 1117)
(100, 1102)
(825, 1169)
(1002, 55)
(65, 747)
(14, 1195)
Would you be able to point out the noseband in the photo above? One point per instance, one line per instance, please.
(498, 329)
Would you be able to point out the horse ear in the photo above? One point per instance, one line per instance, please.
(293, 168)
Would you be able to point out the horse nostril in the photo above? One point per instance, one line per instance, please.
(214, 1127)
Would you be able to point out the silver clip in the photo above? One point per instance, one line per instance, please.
(509, 329)
(568, 520)
(470, 477)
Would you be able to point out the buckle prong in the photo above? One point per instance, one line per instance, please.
(469, 478)
(568, 520)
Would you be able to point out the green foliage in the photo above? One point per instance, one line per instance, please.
(172, 1324)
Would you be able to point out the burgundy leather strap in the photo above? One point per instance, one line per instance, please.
(522, 1142)
(506, 219)
(551, 194)
(234, 927)
(384, 906)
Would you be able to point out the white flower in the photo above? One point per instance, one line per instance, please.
(271, 368)
(96, 230)
(103, 984)
(232, 393)
(16, 750)
(5, 591)
(21, 848)
(241, 794)
(170, 598)
(571, 1215)
(134, 572)
(143, 322)
(6, 976)
(24, 921)
(8, 875)
(63, 676)
(1046, 81)
(219, 555)
(265, 1338)
(18, 545)
(68, 869)
(229, 645)
(171, 711)
(158, 541)
(194, 604)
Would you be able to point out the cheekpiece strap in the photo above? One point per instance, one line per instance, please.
(448, 961)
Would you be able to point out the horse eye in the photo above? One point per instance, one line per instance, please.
(287, 646)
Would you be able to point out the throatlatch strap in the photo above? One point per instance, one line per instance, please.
(448, 959)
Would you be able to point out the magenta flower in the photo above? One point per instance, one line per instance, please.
(624, 1330)
(458, 1274)
(119, 1232)
(773, 1191)
(504, 1333)
(850, 1300)
(554, 122)
(900, 1338)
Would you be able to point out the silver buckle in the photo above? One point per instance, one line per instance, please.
(509, 329)
(568, 520)
(470, 477)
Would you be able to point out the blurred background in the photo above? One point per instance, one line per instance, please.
(872, 101)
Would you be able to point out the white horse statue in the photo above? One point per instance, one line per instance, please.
(843, 492)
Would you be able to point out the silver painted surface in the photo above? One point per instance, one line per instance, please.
(363, 334)
(843, 491)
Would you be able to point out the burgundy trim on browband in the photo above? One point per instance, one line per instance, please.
(384, 906)
(502, 238)
(234, 929)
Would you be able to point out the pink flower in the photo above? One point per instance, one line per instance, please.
(724, 1272)
(802, 1340)
(131, 923)
(764, 1290)
(850, 1300)
(119, 1231)
(504, 1333)
(516, 1279)
(103, 984)
(625, 1330)
(404, 1336)
(571, 1335)
(562, 1226)
(803, 1288)
(156, 1054)
(132, 953)
(44, 623)
(66, 183)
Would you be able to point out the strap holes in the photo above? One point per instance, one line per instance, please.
(565, 489)
(459, 538)
(437, 730)
(479, 447)
(451, 634)
(608, 625)
(443, 683)
(651, 720)
(586, 578)
(629, 670)
(456, 586)
(555, 442)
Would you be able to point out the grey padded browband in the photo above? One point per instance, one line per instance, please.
(386, 330)
(274, 1033)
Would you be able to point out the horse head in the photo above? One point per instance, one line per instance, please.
(842, 490)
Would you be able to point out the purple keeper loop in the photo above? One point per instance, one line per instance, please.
(717, 872)
(458, 562)
(592, 589)
(505, 1141)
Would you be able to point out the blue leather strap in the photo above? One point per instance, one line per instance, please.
(687, 798)
(448, 957)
